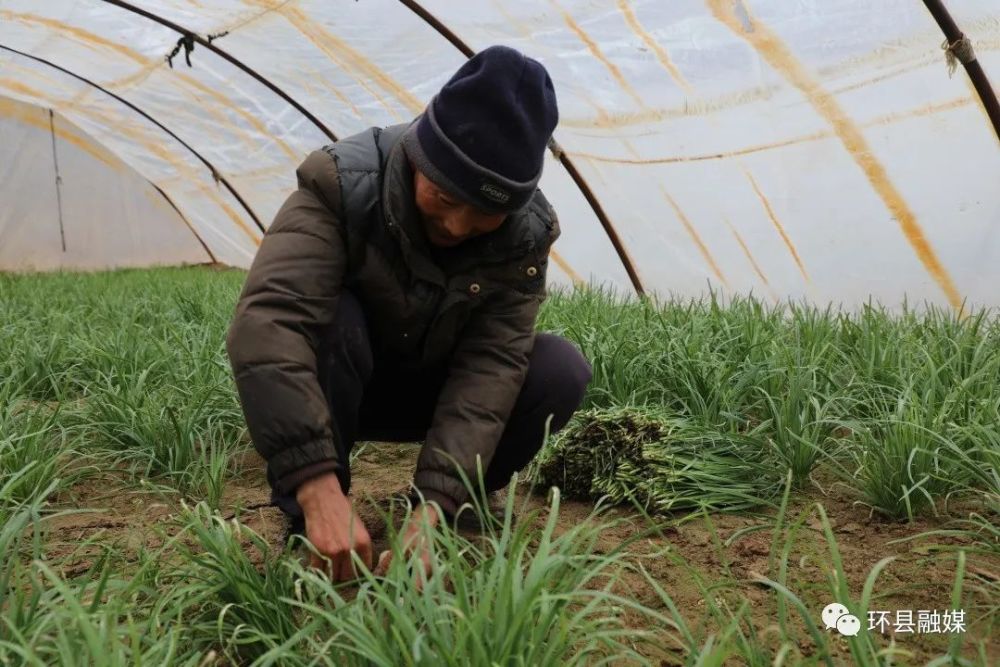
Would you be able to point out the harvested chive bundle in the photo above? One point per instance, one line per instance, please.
(661, 462)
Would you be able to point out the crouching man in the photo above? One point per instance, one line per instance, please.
(394, 298)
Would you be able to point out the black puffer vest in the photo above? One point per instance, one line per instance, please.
(417, 304)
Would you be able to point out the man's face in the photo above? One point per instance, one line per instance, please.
(448, 221)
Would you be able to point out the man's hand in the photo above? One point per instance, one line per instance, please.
(413, 541)
(333, 527)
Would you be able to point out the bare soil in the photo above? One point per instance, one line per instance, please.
(722, 555)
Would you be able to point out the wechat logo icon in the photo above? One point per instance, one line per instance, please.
(836, 616)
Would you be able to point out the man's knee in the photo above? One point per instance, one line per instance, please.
(561, 371)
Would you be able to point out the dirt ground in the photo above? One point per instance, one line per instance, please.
(725, 552)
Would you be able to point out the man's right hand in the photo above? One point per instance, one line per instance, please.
(333, 527)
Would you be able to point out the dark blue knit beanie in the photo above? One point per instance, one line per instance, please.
(483, 137)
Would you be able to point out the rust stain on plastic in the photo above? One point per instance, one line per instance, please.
(777, 54)
(79, 34)
(595, 50)
(512, 22)
(25, 113)
(724, 102)
(155, 148)
(885, 119)
(979, 103)
(162, 200)
(710, 156)
(67, 132)
(136, 78)
(631, 149)
(777, 223)
(693, 233)
(701, 107)
(600, 113)
(233, 215)
(347, 57)
(147, 67)
(567, 269)
(924, 110)
(315, 83)
(891, 74)
(160, 204)
(661, 53)
(327, 44)
(246, 20)
(911, 53)
(340, 96)
(598, 172)
(753, 262)
(268, 172)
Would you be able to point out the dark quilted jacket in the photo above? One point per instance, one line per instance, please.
(352, 223)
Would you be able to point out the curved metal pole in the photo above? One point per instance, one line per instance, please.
(236, 62)
(184, 219)
(554, 146)
(955, 37)
(215, 172)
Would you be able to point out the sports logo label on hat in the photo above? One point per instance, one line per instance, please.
(494, 193)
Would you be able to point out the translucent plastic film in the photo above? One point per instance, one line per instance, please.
(95, 211)
(792, 149)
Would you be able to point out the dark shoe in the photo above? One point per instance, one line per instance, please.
(296, 525)
(496, 508)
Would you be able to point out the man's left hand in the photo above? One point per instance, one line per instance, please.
(414, 541)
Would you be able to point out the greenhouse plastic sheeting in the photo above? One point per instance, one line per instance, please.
(68, 202)
(802, 149)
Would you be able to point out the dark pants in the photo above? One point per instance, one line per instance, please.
(369, 401)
